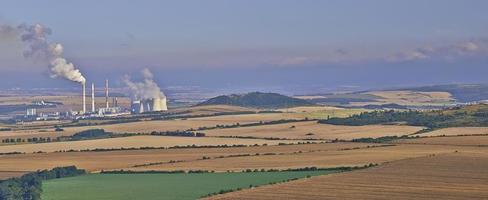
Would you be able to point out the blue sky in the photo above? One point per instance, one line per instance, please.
(258, 43)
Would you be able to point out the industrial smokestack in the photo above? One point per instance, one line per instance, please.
(93, 98)
(83, 86)
(106, 93)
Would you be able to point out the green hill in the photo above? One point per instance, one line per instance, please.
(257, 100)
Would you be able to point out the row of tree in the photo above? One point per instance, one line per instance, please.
(411, 117)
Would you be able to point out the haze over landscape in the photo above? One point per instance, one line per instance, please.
(243, 99)
(276, 46)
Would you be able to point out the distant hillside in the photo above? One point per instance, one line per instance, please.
(461, 92)
(257, 100)
(423, 96)
(470, 115)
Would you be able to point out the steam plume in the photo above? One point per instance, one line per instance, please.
(39, 48)
(146, 89)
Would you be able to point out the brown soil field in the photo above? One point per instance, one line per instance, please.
(449, 140)
(325, 159)
(149, 126)
(319, 131)
(447, 176)
(458, 131)
(135, 142)
(10, 174)
(96, 161)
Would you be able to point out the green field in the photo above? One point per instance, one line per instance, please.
(159, 186)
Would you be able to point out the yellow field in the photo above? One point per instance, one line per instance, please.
(322, 112)
(447, 176)
(458, 131)
(325, 159)
(96, 161)
(134, 142)
(449, 140)
(411, 97)
(149, 126)
(300, 130)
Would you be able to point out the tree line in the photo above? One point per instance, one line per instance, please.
(432, 119)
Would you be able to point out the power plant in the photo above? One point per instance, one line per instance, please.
(146, 98)
(102, 111)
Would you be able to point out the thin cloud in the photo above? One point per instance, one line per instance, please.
(446, 52)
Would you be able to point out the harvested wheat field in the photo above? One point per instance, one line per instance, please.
(458, 131)
(314, 130)
(325, 159)
(156, 125)
(10, 174)
(446, 176)
(135, 142)
(322, 112)
(106, 160)
(149, 126)
(449, 140)
(405, 97)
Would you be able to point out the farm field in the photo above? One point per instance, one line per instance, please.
(135, 142)
(9, 174)
(314, 130)
(322, 112)
(212, 109)
(448, 140)
(405, 97)
(458, 131)
(445, 176)
(109, 160)
(323, 159)
(159, 186)
(156, 125)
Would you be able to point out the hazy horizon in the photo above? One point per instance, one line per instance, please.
(282, 46)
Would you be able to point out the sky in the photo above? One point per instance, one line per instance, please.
(267, 45)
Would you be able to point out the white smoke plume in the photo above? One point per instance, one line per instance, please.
(146, 89)
(39, 48)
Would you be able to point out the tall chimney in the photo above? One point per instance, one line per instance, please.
(106, 93)
(83, 86)
(93, 98)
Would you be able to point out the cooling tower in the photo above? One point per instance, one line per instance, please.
(156, 104)
(141, 107)
(163, 104)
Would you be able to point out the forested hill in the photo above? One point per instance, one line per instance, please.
(257, 100)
